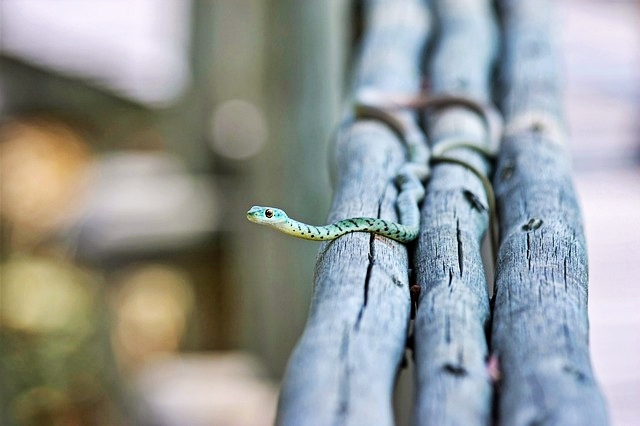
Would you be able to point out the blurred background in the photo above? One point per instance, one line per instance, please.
(135, 134)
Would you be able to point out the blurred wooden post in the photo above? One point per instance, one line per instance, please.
(453, 385)
(540, 326)
(344, 367)
(295, 48)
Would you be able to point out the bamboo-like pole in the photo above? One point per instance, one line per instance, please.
(344, 367)
(453, 383)
(540, 325)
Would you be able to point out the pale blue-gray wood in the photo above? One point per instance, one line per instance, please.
(453, 384)
(344, 367)
(540, 326)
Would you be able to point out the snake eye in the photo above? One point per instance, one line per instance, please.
(268, 213)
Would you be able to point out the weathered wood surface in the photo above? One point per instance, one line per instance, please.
(453, 384)
(344, 367)
(540, 326)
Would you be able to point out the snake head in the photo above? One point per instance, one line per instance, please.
(266, 215)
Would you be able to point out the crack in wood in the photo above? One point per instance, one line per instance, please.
(456, 368)
(529, 251)
(508, 171)
(474, 200)
(460, 248)
(532, 225)
(367, 278)
(344, 390)
(574, 372)
(447, 330)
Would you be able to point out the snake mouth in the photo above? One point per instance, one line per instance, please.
(253, 213)
(252, 217)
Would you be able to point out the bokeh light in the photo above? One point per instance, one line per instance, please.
(151, 305)
(239, 129)
(40, 295)
(43, 167)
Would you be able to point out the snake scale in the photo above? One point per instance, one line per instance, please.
(409, 178)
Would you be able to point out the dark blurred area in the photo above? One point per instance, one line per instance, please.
(134, 135)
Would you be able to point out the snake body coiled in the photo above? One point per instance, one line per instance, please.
(410, 177)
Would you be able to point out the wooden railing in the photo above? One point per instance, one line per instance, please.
(530, 364)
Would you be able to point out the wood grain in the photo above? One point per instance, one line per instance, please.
(540, 325)
(453, 384)
(344, 367)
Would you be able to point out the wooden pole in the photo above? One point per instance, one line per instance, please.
(344, 367)
(453, 384)
(540, 326)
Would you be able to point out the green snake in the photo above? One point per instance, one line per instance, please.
(409, 178)
(278, 219)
